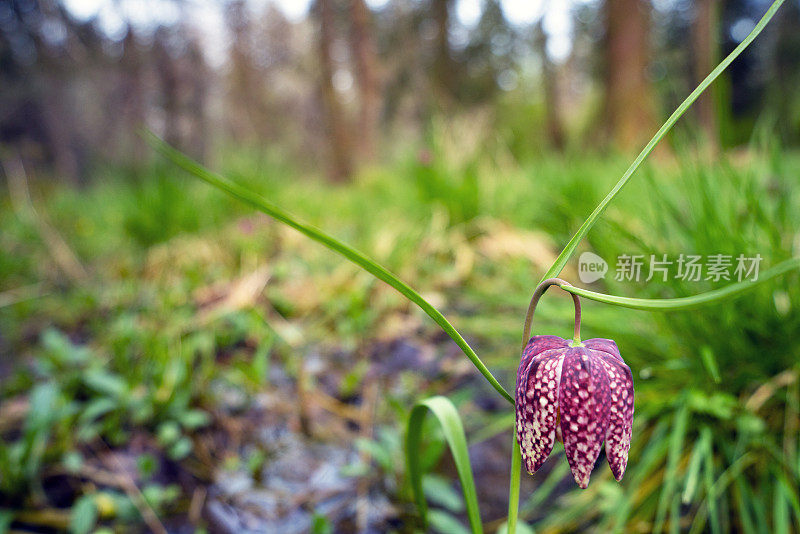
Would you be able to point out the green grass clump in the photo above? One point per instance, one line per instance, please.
(144, 348)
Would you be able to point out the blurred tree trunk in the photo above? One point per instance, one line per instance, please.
(167, 71)
(443, 67)
(133, 100)
(197, 89)
(555, 130)
(337, 131)
(629, 95)
(57, 121)
(704, 41)
(364, 51)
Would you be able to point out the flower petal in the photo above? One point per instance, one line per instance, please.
(537, 345)
(620, 416)
(537, 405)
(604, 345)
(584, 403)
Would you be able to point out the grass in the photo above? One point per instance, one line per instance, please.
(151, 347)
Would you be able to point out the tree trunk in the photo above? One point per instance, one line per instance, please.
(362, 43)
(338, 135)
(704, 33)
(555, 130)
(443, 68)
(629, 103)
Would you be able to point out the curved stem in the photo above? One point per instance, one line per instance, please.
(686, 303)
(540, 289)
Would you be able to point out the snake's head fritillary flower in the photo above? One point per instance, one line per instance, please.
(583, 394)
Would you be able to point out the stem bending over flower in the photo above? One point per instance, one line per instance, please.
(537, 294)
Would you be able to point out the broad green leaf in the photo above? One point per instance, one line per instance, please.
(522, 528)
(442, 493)
(6, 518)
(83, 516)
(446, 414)
(445, 523)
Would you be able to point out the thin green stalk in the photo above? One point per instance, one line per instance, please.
(687, 303)
(513, 487)
(360, 259)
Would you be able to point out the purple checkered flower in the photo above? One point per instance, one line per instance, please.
(581, 393)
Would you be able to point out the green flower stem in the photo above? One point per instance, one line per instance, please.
(687, 303)
(543, 286)
(369, 265)
(513, 487)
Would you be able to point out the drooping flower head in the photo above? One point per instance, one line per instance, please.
(581, 393)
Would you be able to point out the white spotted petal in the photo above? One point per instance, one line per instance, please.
(537, 398)
(620, 417)
(584, 411)
(585, 392)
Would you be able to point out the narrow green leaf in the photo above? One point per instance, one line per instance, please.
(543, 491)
(780, 510)
(695, 462)
(710, 363)
(378, 271)
(447, 416)
(675, 515)
(673, 458)
(716, 489)
(651, 457)
(688, 303)
(744, 505)
(708, 481)
(790, 492)
(569, 249)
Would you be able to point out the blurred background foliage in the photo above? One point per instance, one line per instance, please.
(172, 362)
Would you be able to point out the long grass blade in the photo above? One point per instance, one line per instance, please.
(688, 303)
(695, 462)
(716, 489)
(569, 249)
(355, 256)
(447, 416)
(671, 472)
